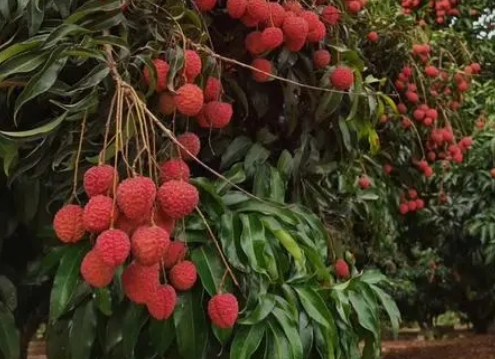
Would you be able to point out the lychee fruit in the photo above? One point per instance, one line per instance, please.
(140, 282)
(272, 37)
(166, 103)
(403, 208)
(174, 169)
(95, 272)
(372, 36)
(321, 59)
(364, 182)
(342, 78)
(236, 8)
(317, 32)
(205, 5)
(218, 114)
(258, 9)
(163, 221)
(149, 244)
(113, 247)
(248, 20)
(177, 199)
(161, 303)
(354, 6)
(135, 197)
(294, 6)
(213, 89)
(432, 71)
(68, 223)
(331, 15)
(342, 269)
(176, 252)
(295, 32)
(254, 43)
(99, 213)
(262, 70)
(99, 180)
(223, 310)
(192, 64)
(189, 99)
(276, 15)
(191, 142)
(183, 275)
(161, 68)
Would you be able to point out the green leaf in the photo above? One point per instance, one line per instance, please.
(9, 152)
(346, 136)
(253, 242)
(23, 63)
(66, 280)
(364, 312)
(19, 48)
(46, 128)
(329, 102)
(230, 231)
(134, 320)
(190, 325)
(61, 32)
(83, 331)
(35, 14)
(162, 334)
(235, 151)
(389, 306)
(256, 155)
(64, 7)
(176, 56)
(8, 293)
(278, 344)
(9, 335)
(285, 164)
(246, 341)
(277, 186)
(266, 303)
(92, 79)
(103, 300)
(289, 327)
(43, 80)
(324, 344)
(222, 335)
(315, 306)
(210, 268)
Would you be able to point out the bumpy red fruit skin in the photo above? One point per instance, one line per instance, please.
(192, 65)
(218, 114)
(262, 65)
(354, 6)
(98, 213)
(341, 269)
(113, 247)
(161, 68)
(276, 14)
(254, 43)
(317, 33)
(213, 89)
(364, 182)
(174, 169)
(135, 197)
(161, 303)
(272, 37)
(149, 244)
(342, 78)
(258, 9)
(206, 5)
(175, 253)
(189, 100)
(321, 59)
(223, 310)
(177, 199)
(191, 142)
(403, 208)
(183, 275)
(139, 282)
(294, 6)
(331, 15)
(95, 272)
(166, 103)
(372, 36)
(99, 180)
(68, 224)
(164, 221)
(236, 8)
(295, 31)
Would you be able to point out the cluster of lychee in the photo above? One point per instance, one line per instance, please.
(202, 103)
(133, 223)
(410, 202)
(440, 9)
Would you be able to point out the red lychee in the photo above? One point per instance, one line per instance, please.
(68, 223)
(135, 197)
(258, 9)
(161, 303)
(372, 36)
(254, 43)
(432, 71)
(218, 114)
(149, 244)
(236, 8)
(331, 15)
(113, 247)
(192, 64)
(161, 68)
(364, 182)
(191, 142)
(321, 59)
(342, 78)
(177, 199)
(317, 32)
(205, 5)
(140, 282)
(387, 169)
(166, 103)
(354, 6)
(95, 272)
(99, 180)
(262, 65)
(342, 269)
(276, 14)
(295, 32)
(403, 208)
(163, 221)
(213, 89)
(272, 37)
(189, 99)
(175, 253)
(183, 275)
(99, 213)
(174, 169)
(223, 310)
(294, 6)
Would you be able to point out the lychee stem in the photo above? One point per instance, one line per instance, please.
(78, 155)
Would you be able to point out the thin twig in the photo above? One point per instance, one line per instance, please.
(78, 155)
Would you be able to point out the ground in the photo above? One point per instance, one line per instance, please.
(469, 347)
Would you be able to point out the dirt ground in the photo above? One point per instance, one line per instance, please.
(472, 347)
